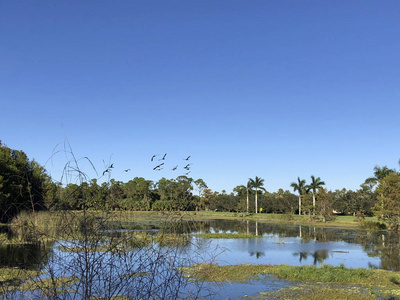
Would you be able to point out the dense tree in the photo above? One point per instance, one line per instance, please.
(300, 187)
(201, 186)
(315, 184)
(379, 173)
(257, 184)
(325, 200)
(138, 193)
(23, 183)
(387, 207)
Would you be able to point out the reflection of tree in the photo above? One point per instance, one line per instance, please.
(318, 255)
(384, 245)
(258, 254)
(27, 256)
(302, 255)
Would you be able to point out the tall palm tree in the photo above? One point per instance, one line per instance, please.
(248, 189)
(257, 184)
(315, 184)
(300, 187)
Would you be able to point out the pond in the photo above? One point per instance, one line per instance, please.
(269, 244)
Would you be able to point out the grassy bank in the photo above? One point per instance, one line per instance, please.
(326, 282)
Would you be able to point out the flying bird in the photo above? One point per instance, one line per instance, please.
(174, 168)
(127, 170)
(106, 171)
(156, 167)
(153, 157)
(187, 158)
(187, 167)
(112, 166)
(163, 157)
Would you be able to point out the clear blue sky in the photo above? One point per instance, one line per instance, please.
(275, 89)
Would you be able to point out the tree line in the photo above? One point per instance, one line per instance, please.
(25, 185)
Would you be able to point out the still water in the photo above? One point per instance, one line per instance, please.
(306, 245)
(273, 244)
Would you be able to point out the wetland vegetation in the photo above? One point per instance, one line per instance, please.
(144, 239)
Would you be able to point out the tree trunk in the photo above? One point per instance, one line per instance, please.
(256, 201)
(299, 205)
(313, 203)
(247, 201)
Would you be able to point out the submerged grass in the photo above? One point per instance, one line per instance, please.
(7, 274)
(317, 292)
(45, 284)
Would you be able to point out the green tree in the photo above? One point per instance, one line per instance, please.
(325, 200)
(23, 183)
(379, 173)
(201, 186)
(300, 187)
(257, 184)
(315, 184)
(138, 193)
(388, 205)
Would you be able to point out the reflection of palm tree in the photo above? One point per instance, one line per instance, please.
(320, 256)
(315, 184)
(257, 183)
(303, 255)
(300, 187)
(258, 254)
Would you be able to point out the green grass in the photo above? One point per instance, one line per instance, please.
(310, 282)
(326, 273)
(317, 292)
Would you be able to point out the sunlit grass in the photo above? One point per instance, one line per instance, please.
(317, 292)
(326, 282)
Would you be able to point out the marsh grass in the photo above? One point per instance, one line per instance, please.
(317, 292)
(326, 273)
(310, 282)
(12, 274)
(45, 285)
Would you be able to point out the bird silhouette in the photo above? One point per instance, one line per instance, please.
(187, 167)
(187, 173)
(157, 167)
(187, 158)
(174, 168)
(127, 170)
(153, 157)
(106, 171)
(163, 158)
(111, 166)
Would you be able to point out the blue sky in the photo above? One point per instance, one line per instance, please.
(275, 89)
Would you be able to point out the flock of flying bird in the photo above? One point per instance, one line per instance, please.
(158, 167)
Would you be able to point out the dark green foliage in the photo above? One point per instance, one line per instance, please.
(23, 183)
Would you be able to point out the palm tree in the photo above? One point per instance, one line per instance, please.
(248, 189)
(300, 187)
(256, 183)
(379, 173)
(315, 184)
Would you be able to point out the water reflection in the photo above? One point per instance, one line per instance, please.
(276, 242)
(272, 244)
(24, 256)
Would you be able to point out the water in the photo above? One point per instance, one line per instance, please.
(274, 244)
